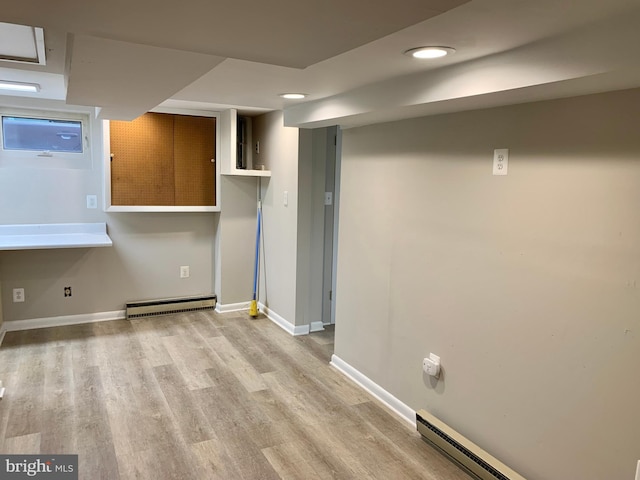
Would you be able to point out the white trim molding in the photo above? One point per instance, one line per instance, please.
(232, 307)
(283, 323)
(32, 323)
(405, 412)
(317, 326)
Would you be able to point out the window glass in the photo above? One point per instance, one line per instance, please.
(41, 134)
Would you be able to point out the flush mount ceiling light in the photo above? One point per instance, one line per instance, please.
(19, 86)
(293, 96)
(429, 52)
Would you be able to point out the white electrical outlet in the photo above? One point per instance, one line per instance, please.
(184, 271)
(18, 295)
(258, 146)
(92, 201)
(500, 161)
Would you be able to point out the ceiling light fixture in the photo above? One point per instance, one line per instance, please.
(429, 52)
(293, 96)
(19, 86)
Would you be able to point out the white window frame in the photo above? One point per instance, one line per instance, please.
(43, 159)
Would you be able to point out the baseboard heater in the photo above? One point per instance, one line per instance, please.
(462, 451)
(167, 306)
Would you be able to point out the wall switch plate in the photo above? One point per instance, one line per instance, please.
(92, 201)
(285, 198)
(500, 161)
(184, 271)
(18, 295)
(328, 198)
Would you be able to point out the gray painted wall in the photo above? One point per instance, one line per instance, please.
(304, 312)
(279, 153)
(237, 238)
(144, 262)
(311, 184)
(525, 285)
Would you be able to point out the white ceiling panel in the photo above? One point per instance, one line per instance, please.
(21, 43)
(130, 56)
(282, 32)
(109, 73)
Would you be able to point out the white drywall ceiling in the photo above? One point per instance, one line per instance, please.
(350, 51)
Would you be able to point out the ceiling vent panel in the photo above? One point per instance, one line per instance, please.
(22, 44)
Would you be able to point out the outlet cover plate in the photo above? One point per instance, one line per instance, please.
(184, 271)
(18, 295)
(500, 161)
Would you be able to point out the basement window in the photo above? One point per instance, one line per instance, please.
(49, 139)
(41, 134)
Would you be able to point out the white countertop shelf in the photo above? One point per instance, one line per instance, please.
(248, 173)
(54, 235)
(159, 209)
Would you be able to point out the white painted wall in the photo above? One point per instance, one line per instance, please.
(279, 153)
(143, 263)
(525, 285)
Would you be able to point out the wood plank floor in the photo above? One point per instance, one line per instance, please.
(200, 396)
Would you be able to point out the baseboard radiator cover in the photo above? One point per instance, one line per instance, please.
(148, 308)
(461, 450)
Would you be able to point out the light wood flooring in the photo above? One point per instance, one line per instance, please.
(200, 396)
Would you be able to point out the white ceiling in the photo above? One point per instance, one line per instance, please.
(129, 56)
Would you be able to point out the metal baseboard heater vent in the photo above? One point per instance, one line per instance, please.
(462, 451)
(167, 306)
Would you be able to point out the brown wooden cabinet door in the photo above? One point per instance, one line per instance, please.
(194, 148)
(164, 160)
(142, 170)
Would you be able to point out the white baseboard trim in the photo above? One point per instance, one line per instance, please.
(287, 326)
(32, 323)
(405, 412)
(317, 326)
(232, 307)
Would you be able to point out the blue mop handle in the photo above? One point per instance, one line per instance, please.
(255, 271)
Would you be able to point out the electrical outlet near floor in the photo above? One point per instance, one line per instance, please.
(184, 271)
(18, 295)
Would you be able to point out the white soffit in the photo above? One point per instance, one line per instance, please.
(595, 58)
(127, 79)
(288, 32)
(21, 43)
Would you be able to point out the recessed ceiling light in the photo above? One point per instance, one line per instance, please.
(19, 86)
(293, 96)
(429, 52)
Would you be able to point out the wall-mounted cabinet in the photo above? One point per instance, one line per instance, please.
(161, 162)
(236, 146)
